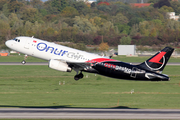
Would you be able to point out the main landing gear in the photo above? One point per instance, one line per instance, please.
(78, 76)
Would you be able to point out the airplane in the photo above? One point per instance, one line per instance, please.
(66, 59)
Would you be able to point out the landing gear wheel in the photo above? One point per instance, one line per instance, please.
(23, 62)
(76, 77)
(81, 75)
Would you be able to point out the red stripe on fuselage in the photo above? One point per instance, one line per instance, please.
(100, 60)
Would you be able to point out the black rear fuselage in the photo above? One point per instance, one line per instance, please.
(123, 70)
(150, 70)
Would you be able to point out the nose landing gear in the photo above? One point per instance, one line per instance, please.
(24, 61)
(78, 76)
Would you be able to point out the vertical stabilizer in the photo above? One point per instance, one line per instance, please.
(157, 62)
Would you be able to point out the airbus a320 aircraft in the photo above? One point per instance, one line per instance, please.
(65, 59)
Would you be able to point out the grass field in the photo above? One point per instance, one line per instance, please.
(40, 86)
(19, 58)
(142, 59)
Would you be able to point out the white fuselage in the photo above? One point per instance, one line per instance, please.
(48, 50)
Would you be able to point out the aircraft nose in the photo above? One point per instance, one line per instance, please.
(7, 43)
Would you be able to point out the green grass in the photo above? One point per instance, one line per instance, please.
(142, 59)
(19, 58)
(38, 86)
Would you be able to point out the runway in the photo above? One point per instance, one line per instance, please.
(78, 113)
(46, 63)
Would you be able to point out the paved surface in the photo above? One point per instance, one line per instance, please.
(46, 63)
(76, 113)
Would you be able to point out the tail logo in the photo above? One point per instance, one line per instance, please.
(157, 62)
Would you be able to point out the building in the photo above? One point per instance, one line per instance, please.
(140, 5)
(172, 15)
(126, 50)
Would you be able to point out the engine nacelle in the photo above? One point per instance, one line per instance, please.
(60, 66)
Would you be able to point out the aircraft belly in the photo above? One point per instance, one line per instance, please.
(127, 72)
(112, 72)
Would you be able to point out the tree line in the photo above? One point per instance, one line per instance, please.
(84, 23)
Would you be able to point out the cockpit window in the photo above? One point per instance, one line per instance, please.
(17, 40)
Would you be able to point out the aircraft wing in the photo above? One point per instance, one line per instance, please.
(80, 66)
(84, 66)
(77, 65)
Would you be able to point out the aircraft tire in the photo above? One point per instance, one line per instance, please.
(81, 75)
(23, 62)
(76, 77)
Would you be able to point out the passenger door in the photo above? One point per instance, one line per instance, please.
(27, 44)
(134, 72)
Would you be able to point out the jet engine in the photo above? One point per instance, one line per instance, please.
(58, 65)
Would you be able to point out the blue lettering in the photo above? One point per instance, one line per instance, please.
(40, 47)
(63, 53)
(52, 49)
(57, 52)
(44, 47)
